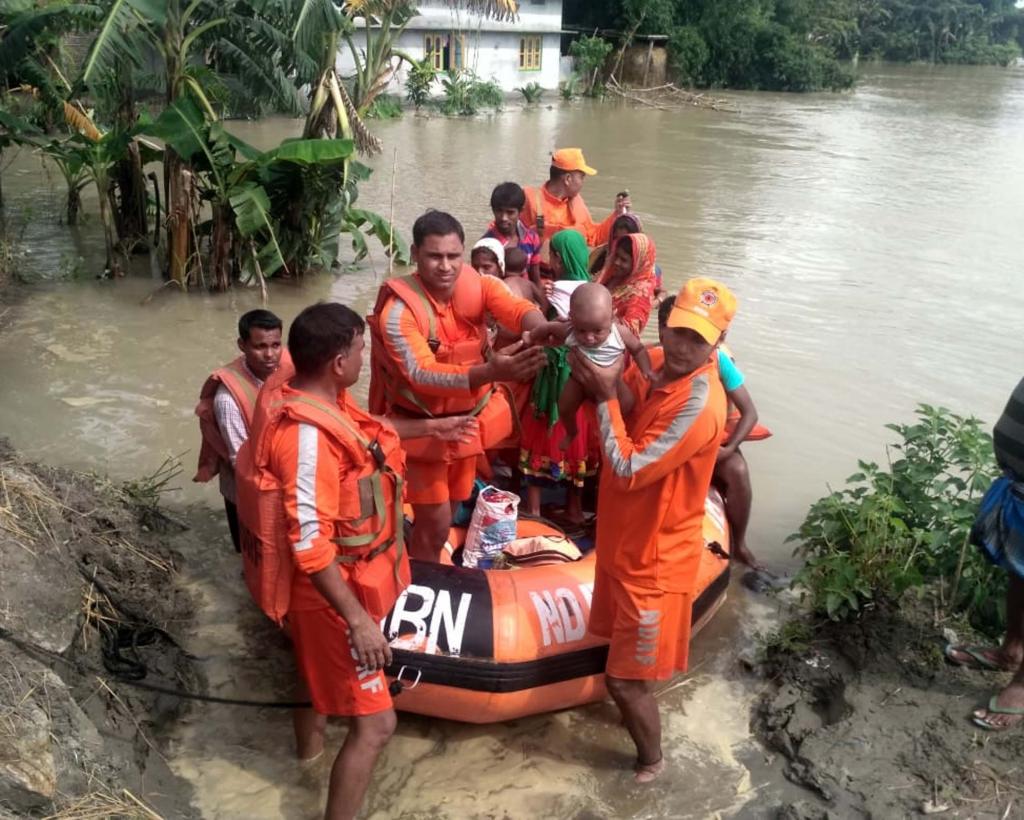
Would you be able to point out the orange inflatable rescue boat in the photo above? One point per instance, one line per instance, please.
(483, 646)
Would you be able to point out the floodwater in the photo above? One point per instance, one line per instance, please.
(873, 240)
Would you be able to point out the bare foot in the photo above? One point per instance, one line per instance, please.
(1004, 711)
(740, 552)
(649, 772)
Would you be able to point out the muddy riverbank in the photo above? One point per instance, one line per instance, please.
(89, 604)
(870, 720)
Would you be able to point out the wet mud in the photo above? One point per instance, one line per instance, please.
(870, 721)
(88, 604)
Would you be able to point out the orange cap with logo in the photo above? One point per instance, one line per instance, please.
(571, 159)
(705, 306)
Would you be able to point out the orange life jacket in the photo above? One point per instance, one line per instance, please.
(371, 549)
(392, 394)
(243, 386)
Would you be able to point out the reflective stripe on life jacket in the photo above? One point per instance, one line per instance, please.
(371, 548)
(244, 387)
(389, 388)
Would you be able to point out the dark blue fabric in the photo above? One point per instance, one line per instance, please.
(999, 528)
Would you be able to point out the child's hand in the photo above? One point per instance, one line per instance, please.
(548, 334)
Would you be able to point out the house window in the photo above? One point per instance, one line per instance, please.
(445, 51)
(529, 54)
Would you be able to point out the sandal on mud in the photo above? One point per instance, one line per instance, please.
(976, 658)
(994, 708)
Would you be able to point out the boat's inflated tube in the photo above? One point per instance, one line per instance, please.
(489, 645)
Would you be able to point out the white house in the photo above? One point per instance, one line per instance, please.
(511, 53)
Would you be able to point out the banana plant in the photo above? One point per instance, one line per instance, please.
(276, 211)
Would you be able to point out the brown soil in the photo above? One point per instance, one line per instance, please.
(873, 722)
(88, 600)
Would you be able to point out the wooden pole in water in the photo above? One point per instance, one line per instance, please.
(650, 57)
(391, 219)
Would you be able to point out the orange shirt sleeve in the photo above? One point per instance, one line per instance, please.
(407, 347)
(309, 470)
(503, 304)
(679, 431)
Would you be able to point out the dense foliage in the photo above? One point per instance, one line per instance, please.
(799, 45)
(907, 524)
(174, 71)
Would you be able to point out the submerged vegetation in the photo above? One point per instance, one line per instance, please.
(799, 45)
(157, 81)
(907, 524)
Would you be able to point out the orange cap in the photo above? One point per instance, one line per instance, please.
(705, 306)
(571, 159)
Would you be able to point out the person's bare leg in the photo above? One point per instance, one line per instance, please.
(1011, 697)
(568, 403)
(532, 499)
(640, 714)
(309, 726)
(733, 477)
(574, 504)
(1010, 654)
(350, 775)
(431, 523)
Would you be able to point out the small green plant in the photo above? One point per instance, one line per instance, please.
(569, 89)
(418, 82)
(532, 92)
(907, 524)
(465, 94)
(590, 54)
(385, 107)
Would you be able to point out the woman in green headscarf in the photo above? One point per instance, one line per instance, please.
(541, 457)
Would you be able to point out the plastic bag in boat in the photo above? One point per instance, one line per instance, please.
(492, 527)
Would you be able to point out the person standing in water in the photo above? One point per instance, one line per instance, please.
(226, 404)
(999, 533)
(340, 471)
(654, 481)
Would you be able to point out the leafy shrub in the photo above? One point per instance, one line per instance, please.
(891, 529)
(688, 54)
(532, 92)
(418, 81)
(465, 94)
(569, 89)
(590, 54)
(385, 107)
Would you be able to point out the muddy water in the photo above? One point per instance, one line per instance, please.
(873, 241)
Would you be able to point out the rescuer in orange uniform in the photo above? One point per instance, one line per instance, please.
(226, 403)
(431, 361)
(340, 473)
(557, 204)
(654, 479)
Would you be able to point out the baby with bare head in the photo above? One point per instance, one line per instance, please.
(594, 330)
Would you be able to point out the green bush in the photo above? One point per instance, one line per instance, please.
(466, 94)
(906, 525)
(385, 107)
(590, 54)
(418, 81)
(532, 92)
(569, 89)
(688, 54)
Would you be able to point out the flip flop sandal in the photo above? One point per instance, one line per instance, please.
(978, 660)
(995, 709)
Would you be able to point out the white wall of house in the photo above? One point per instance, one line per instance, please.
(492, 49)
